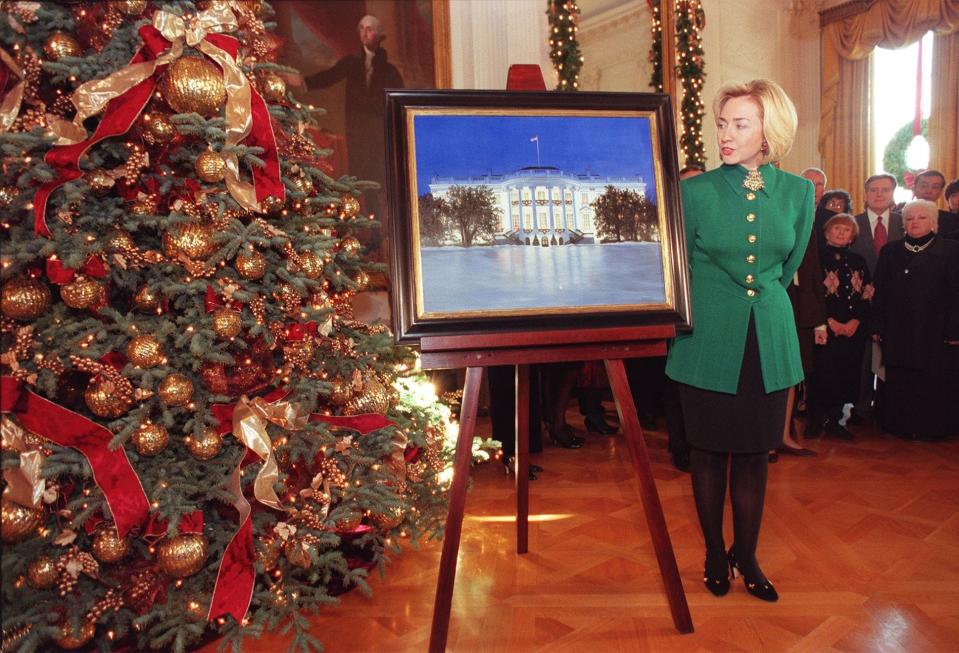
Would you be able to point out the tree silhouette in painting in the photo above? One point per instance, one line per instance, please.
(434, 220)
(473, 213)
(624, 215)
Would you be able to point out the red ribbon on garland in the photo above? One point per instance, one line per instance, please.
(112, 471)
(122, 111)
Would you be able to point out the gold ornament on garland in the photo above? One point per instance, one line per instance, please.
(388, 519)
(130, 7)
(361, 279)
(103, 400)
(145, 351)
(146, 300)
(205, 446)
(373, 398)
(150, 439)
(194, 85)
(250, 265)
(157, 128)
(349, 206)
(99, 181)
(42, 573)
(297, 553)
(24, 299)
(182, 555)
(144, 205)
(59, 45)
(271, 205)
(108, 547)
(82, 292)
(193, 239)
(70, 640)
(227, 323)
(176, 390)
(267, 553)
(210, 166)
(303, 184)
(350, 245)
(8, 194)
(272, 88)
(119, 240)
(17, 522)
(340, 392)
(311, 265)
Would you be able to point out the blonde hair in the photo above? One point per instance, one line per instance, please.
(776, 111)
(922, 206)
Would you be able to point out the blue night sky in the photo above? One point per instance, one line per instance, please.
(464, 145)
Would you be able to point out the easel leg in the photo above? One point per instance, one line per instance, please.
(454, 518)
(650, 497)
(522, 458)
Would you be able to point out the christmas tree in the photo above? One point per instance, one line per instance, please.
(199, 439)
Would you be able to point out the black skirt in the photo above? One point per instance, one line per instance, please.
(749, 421)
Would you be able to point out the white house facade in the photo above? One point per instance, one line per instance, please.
(543, 205)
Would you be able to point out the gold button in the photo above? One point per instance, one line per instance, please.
(751, 238)
(751, 293)
(750, 196)
(750, 278)
(751, 258)
(750, 217)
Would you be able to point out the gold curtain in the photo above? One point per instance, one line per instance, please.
(844, 141)
(944, 113)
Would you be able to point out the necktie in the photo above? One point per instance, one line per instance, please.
(879, 235)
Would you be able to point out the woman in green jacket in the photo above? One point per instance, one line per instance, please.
(747, 227)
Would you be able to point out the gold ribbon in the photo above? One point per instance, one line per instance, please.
(24, 484)
(92, 97)
(250, 417)
(10, 107)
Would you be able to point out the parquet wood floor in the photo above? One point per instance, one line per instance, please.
(861, 541)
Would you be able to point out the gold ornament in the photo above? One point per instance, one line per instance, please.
(341, 392)
(349, 206)
(271, 204)
(361, 279)
(8, 195)
(194, 85)
(182, 555)
(210, 166)
(150, 439)
(272, 88)
(350, 245)
(214, 378)
(99, 181)
(372, 399)
(192, 239)
(82, 292)
(250, 265)
(59, 45)
(119, 240)
(42, 573)
(130, 7)
(296, 554)
(289, 298)
(144, 205)
(303, 184)
(268, 553)
(146, 300)
(311, 265)
(108, 546)
(158, 129)
(145, 351)
(388, 519)
(24, 299)
(69, 640)
(103, 400)
(175, 390)
(205, 446)
(18, 522)
(349, 521)
(227, 323)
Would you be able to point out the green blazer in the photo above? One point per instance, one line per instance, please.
(744, 248)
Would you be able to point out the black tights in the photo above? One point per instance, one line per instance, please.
(747, 491)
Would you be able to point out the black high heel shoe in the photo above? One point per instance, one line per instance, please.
(596, 424)
(563, 436)
(716, 584)
(509, 465)
(761, 589)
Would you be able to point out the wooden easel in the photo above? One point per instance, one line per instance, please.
(476, 352)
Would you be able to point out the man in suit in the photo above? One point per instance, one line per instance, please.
(928, 185)
(878, 224)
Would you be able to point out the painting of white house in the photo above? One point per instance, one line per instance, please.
(519, 213)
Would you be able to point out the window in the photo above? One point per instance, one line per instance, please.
(894, 75)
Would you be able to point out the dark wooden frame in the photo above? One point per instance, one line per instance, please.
(408, 327)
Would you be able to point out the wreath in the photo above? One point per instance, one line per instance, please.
(894, 156)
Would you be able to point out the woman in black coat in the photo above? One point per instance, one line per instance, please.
(916, 318)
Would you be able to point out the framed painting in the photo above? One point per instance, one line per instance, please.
(519, 211)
